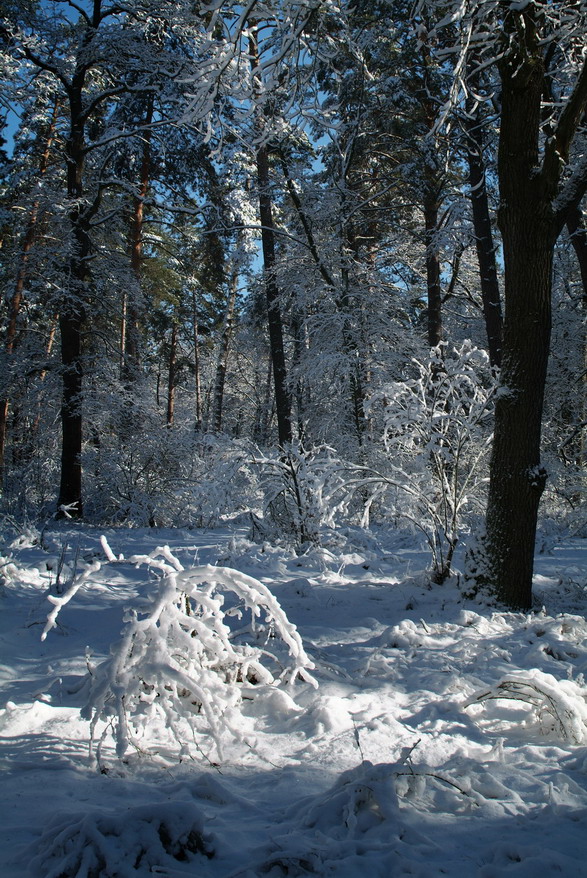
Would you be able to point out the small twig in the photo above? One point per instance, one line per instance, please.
(439, 777)
(406, 754)
(358, 739)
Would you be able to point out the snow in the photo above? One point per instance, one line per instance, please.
(445, 738)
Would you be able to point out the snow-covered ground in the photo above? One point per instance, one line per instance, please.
(403, 762)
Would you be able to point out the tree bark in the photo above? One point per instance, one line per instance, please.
(131, 304)
(431, 203)
(73, 313)
(222, 363)
(71, 322)
(433, 283)
(171, 375)
(529, 230)
(578, 234)
(275, 324)
(197, 371)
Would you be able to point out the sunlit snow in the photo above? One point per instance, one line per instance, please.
(445, 738)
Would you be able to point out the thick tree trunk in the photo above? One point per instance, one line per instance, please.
(72, 313)
(578, 233)
(70, 324)
(529, 232)
(517, 478)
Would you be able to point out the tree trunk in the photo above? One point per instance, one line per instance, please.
(43, 374)
(222, 363)
(71, 323)
(528, 230)
(282, 395)
(578, 233)
(171, 374)
(264, 409)
(197, 375)
(432, 269)
(431, 203)
(72, 313)
(131, 304)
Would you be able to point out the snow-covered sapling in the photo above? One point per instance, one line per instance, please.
(208, 638)
(437, 431)
(299, 488)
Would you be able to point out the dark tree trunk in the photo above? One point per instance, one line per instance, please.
(529, 230)
(171, 375)
(431, 203)
(484, 237)
(197, 370)
(132, 304)
(70, 494)
(282, 395)
(72, 317)
(433, 283)
(222, 363)
(578, 232)
(72, 313)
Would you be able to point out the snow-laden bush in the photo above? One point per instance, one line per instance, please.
(207, 639)
(164, 477)
(558, 706)
(437, 432)
(358, 827)
(149, 838)
(303, 492)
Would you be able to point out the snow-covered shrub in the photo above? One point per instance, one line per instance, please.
(302, 493)
(437, 432)
(144, 839)
(559, 706)
(181, 664)
(357, 827)
(169, 477)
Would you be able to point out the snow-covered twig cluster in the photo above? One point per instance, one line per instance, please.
(304, 492)
(180, 662)
(437, 434)
(559, 705)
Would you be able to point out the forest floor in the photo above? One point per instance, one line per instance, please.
(383, 770)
